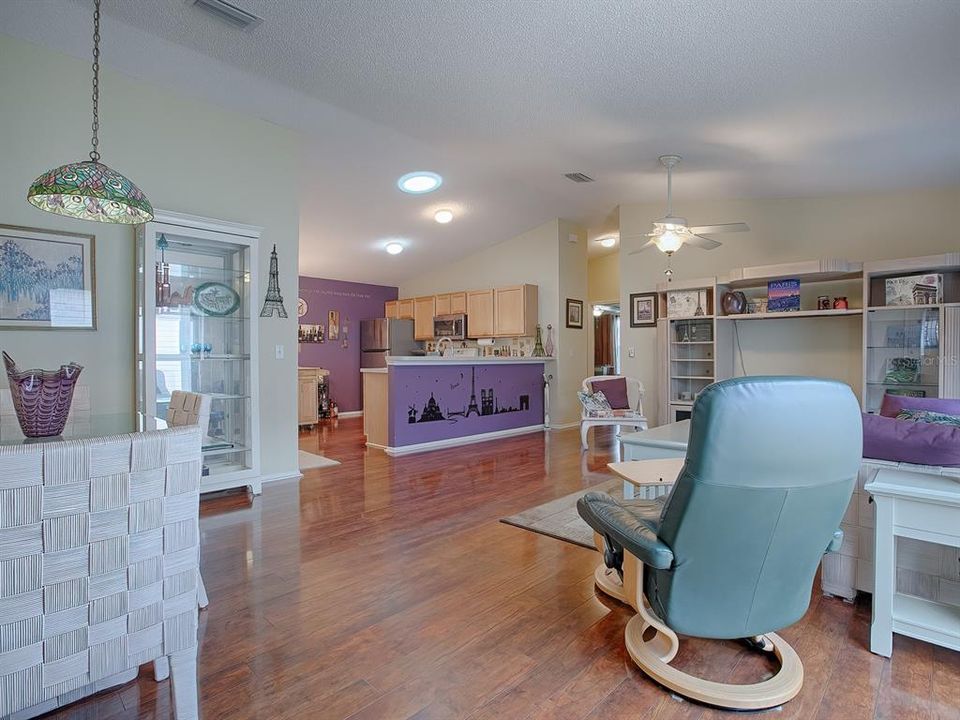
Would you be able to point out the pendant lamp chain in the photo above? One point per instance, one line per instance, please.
(95, 141)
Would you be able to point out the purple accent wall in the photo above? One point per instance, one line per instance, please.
(354, 302)
(507, 396)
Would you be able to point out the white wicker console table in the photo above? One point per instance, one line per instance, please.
(99, 542)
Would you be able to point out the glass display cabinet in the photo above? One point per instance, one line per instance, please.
(197, 291)
(912, 329)
(902, 353)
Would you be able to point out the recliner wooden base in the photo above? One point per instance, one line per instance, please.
(653, 656)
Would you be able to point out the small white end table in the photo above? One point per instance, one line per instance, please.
(922, 506)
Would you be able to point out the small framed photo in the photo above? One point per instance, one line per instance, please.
(643, 310)
(575, 314)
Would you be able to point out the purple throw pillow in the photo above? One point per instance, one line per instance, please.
(893, 404)
(887, 438)
(615, 390)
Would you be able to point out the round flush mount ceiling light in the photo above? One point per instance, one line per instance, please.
(394, 248)
(420, 182)
(607, 242)
(443, 216)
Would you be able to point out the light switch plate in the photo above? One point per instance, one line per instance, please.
(279, 352)
(631, 352)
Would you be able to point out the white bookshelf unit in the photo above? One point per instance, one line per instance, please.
(197, 290)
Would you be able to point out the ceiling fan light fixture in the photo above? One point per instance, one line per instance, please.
(669, 242)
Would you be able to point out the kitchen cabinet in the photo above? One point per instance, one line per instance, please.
(424, 308)
(515, 311)
(458, 303)
(451, 303)
(308, 409)
(405, 309)
(480, 315)
(391, 309)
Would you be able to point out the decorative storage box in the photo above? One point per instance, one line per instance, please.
(99, 544)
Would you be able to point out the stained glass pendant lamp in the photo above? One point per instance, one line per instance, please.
(88, 189)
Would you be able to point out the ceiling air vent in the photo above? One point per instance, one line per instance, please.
(230, 14)
(578, 177)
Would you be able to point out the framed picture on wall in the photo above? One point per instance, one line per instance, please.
(643, 310)
(333, 324)
(575, 314)
(48, 280)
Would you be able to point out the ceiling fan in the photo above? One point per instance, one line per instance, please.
(671, 232)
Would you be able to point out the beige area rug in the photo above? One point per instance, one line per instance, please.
(559, 519)
(309, 461)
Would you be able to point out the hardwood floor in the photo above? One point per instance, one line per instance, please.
(387, 589)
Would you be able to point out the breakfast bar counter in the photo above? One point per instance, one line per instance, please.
(425, 403)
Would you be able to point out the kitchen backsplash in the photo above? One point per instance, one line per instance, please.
(504, 347)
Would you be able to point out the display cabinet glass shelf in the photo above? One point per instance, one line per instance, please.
(902, 353)
(197, 289)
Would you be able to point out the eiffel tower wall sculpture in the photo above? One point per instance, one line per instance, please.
(273, 302)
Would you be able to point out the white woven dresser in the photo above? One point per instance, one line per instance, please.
(99, 544)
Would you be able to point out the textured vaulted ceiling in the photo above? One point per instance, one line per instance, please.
(761, 97)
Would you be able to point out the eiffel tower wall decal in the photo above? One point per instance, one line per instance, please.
(273, 302)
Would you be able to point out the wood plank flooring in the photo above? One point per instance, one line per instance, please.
(387, 589)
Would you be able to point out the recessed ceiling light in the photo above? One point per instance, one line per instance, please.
(443, 216)
(607, 242)
(420, 182)
(394, 248)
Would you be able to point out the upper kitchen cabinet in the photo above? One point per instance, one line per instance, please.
(452, 303)
(405, 309)
(480, 313)
(391, 309)
(424, 308)
(515, 311)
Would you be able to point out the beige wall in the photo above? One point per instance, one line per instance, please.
(854, 227)
(603, 278)
(542, 257)
(574, 353)
(188, 156)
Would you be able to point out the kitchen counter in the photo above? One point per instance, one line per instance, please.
(426, 403)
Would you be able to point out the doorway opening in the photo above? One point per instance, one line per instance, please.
(606, 339)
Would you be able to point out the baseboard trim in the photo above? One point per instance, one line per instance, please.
(351, 413)
(456, 442)
(276, 477)
(563, 426)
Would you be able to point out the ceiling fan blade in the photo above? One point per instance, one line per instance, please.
(699, 241)
(646, 245)
(712, 229)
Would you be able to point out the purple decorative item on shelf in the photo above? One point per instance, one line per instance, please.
(42, 397)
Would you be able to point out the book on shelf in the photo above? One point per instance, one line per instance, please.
(783, 296)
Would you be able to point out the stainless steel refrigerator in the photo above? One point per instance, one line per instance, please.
(383, 337)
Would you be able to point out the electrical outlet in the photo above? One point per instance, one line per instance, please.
(278, 350)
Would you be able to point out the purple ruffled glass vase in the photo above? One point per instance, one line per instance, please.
(42, 398)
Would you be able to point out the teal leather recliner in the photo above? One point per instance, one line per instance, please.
(770, 466)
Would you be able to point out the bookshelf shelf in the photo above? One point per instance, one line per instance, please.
(793, 315)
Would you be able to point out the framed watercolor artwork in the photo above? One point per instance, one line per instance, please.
(575, 314)
(643, 310)
(47, 280)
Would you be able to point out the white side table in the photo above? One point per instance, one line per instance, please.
(924, 507)
(657, 476)
(665, 441)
